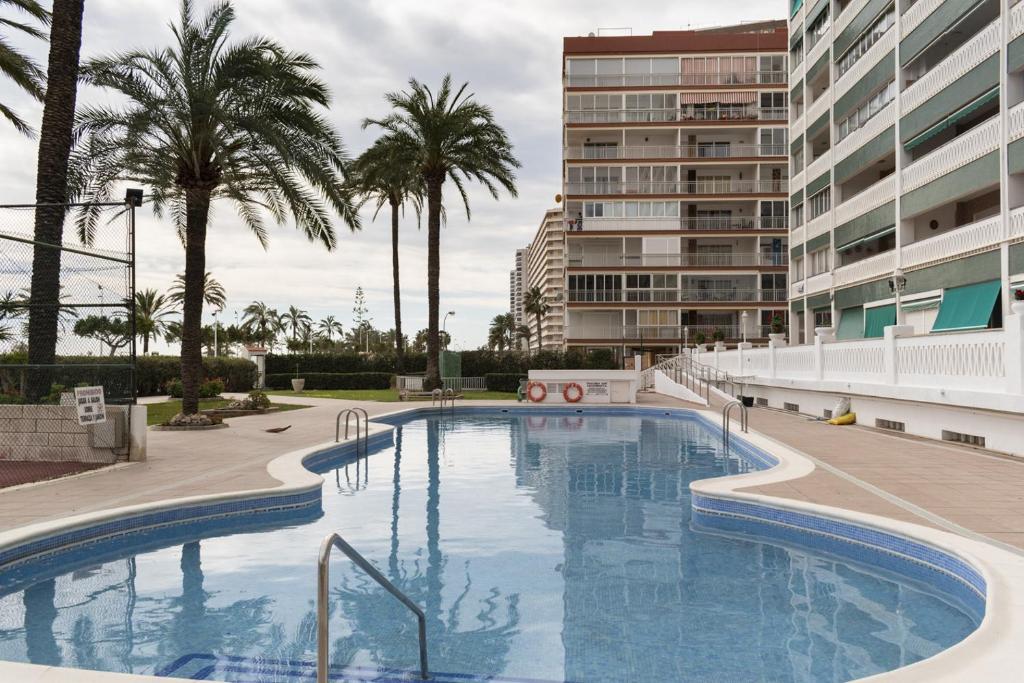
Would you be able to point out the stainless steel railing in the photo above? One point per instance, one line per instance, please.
(364, 421)
(726, 417)
(323, 579)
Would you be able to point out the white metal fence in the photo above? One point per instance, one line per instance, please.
(456, 384)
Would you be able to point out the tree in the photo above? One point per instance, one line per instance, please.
(419, 342)
(18, 66)
(296, 320)
(115, 333)
(55, 142)
(204, 120)
(152, 311)
(386, 174)
(524, 332)
(535, 304)
(502, 333)
(359, 310)
(329, 327)
(449, 136)
(214, 295)
(260, 321)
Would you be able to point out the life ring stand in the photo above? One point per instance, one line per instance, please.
(539, 395)
(576, 392)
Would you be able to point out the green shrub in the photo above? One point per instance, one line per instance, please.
(211, 388)
(332, 380)
(258, 399)
(343, 363)
(173, 388)
(503, 381)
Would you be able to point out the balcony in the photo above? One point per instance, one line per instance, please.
(876, 195)
(1016, 21)
(955, 66)
(1015, 121)
(865, 269)
(682, 296)
(914, 16)
(680, 79)
(708, 223)
(701, 187)
(958, 152)
(681, 260)
(698, 151)
(682, 115)
(676, 333)
(866, 62)
(867, 132)
(968, 239)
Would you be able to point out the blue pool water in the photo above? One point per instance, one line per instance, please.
(541, 547)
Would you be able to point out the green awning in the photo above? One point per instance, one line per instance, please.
(877, 319)
(867, 238)
(968, 307)
(920, 305)
(953, 118)
(851, 323)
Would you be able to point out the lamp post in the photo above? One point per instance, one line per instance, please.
(444, 324)
(743, 324)
(896, 285)
(686, 337)
(215, 348)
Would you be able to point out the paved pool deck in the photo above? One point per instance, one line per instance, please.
(969, 491)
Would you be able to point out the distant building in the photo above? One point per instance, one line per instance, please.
(546, 269)
(517, 285)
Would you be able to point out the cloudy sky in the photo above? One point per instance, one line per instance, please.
(509, 52)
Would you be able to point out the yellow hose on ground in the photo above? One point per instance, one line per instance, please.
(848, 419)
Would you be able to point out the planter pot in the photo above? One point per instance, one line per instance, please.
(1017, 307)
(702, 348)
(748, 401)
(298, 385)
(720, 346)
(778, 337)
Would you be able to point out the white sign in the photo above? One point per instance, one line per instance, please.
(597, 388)
(92, 408)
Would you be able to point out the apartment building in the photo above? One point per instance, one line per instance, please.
(546, 270)
(517, 285)
(907, 141)
(675, 187)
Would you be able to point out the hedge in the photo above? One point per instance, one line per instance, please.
(503, 381)
(332, 380)
(154, 372)
(341, 363)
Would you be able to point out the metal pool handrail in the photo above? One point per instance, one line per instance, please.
(365, 420)
(726, 416)
(323, 574)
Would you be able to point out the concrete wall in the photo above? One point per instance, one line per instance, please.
(52, 433)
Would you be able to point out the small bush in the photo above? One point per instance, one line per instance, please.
(211, 388)
(258, 399)
(503, 381)
(173, 388)
(332, 380)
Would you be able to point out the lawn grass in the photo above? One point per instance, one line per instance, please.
(390, 395)
(158, 413)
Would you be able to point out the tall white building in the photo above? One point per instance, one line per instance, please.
(546, 270)
(517, 285)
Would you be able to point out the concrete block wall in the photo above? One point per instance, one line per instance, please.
(52, 433)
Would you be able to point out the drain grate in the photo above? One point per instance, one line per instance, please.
(959, 437)
(891, 425)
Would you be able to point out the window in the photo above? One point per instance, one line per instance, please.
(797, 158)
(773, 214)
(774, 141)
(816, 30)
(821, 202)
(798, 268)
(653, 179)
(718, 70)
(601, 209)
(656, 71)
(595, 288)
(866, 111)
(823, 317)
(772, 69)
(600, 150)
(798, 215)
(595, 72)
(796, 55)
(594, 179)
(882, 24)
(651, 209)
(712, 149)
(819, 261)
(774, 100)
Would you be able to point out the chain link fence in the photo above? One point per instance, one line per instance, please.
(67, 319)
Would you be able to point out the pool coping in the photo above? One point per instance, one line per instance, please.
(984, 654)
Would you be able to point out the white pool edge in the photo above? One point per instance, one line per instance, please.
(986, 654)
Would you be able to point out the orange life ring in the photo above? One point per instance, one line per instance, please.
(577, 395)
(535, 398)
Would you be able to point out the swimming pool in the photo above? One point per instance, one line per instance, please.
(543, 545)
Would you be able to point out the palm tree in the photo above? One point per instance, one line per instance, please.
(204, 120)
(502, 333)
(295, 319)
(329, 327)
(15, 64)
(535, 304)
(214, 295)
(449, 136)
(55, 142)
(152, 310)
(260, 321)
(386, 173)
(524, 332)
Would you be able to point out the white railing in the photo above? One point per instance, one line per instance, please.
(818, 226)
(846, 16)
(679, 187)
(863, 360)
(458, 384)
(921, 10)
(681, 260)
(726, 295)
(875, 125)
(817, 167)
(819, 48)
(956, 243)
(1015, 120)
(1017, 224)
(970, 360)
(818, 283)
(698, 151)
(797, 181)
(796, 236)
(796, 361)
(797, 127)
(818, 107)
(868, 60)
(966, 57)
(955, 154)
(721, 113)
(873, 197)
(1016, 21)
(866, 269)
(676, 78)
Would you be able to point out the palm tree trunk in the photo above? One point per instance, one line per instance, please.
(399, 346)
(433, 374)
(145, 344)
(51, 189)
(539, 348)
(197, 211)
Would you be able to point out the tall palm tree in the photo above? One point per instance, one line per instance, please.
(214, 295)
(55, 142)
(535, 304)
(152, 313)
(16, 65)
(329, 327)
(502, 333)
(204, 120)
(259, 320)
(524, 332)
(295, 319)
(386, 174)
(450, 136)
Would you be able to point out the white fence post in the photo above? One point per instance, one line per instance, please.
(741, 357)
(890, 351)
(1014, 353)
(771, 358)
(819, 357)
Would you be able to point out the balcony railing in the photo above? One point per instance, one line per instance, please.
(674, 151)
(688, 296)
(673, 223)
(679, 187)
(721, 113)
(956, 65)
(686, 333)
(624, 79)
(682, 260)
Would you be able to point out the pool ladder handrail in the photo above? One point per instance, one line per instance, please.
(442, 395)
(364, 420)
(330, 542)
(726, 419)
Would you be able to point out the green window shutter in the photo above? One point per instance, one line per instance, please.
(968, 307)
(851, 323)
(819, 183)
(877, 319)
(813, 13)
(816, 243)
(814, 69)
(796, 199)
(953, 118)
(797, 251)
(796, 144)
(867, 238)
(817, 126)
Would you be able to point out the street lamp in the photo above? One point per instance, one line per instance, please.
(743, 318)
(215, 333)
(444, 323)
(897, 283)
(686, 337)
